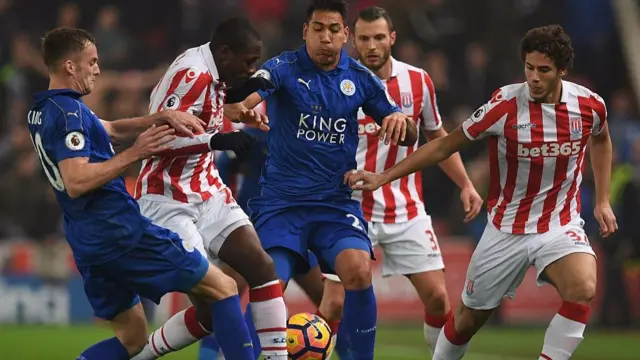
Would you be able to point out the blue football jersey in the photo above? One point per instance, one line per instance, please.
(314, 128)
(101, 224)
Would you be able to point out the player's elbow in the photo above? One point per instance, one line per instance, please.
(74, 191)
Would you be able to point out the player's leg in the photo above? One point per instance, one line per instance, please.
(497, 267)
(229, 235)
(176, 266)
(411, 249)
(333, 303)
(189, 325)
(209, 347)
(120, 307)
(567, 261)
(343, 247)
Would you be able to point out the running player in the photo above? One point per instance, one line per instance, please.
(396, 214)
(538, 133)
(182, 191)
(118, 252)
(313, 139)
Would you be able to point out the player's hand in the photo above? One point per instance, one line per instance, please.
(254, 118)
(152, 141)
(471, 202)
(393, 128)
(607, 220)
(238, 94)
(363, 180)
(237, 141)
(183, 122)
(239, 113)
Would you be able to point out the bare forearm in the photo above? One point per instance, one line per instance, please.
(411, 135)
(427, 155)
(454, 168)
(126, 130)
(601, 157)
(91, 176)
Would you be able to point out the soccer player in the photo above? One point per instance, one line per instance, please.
(118, 252)
(538, 132)
(396, 215)
(182, 190)
(313, 139)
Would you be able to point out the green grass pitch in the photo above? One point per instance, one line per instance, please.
(397, 343)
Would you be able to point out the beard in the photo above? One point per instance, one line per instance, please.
(384, 57)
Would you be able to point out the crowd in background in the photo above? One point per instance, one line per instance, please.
(469, 48)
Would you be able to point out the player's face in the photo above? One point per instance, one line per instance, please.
(325, 34)
(236, 67)
(543, 76)
(373, 42)
(84, 69)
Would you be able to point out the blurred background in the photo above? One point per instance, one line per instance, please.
(469, 48)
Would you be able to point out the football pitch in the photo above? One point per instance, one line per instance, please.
(393, 343)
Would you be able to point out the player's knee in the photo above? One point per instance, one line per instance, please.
(582, 292)
(217, 286)
(436, 299)
(355, 272)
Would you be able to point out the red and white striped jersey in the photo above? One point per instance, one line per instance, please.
(537, 155)
(412, 89)
(186, 173)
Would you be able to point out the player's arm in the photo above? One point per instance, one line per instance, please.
(72, 150)
(264, 83)
(486, 121)
(601, 159)
(125, 131)
(395, 126)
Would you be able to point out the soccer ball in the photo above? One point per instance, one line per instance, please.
(308, 337)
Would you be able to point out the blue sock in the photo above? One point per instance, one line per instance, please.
(248, 319)
(110, 349)
(209, 348)
(230, 329)
(360, 317)
(343, 344)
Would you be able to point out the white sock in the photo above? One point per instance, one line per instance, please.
(270, 318)
(180, 331)
(450, 346)
(432, 327)
(565, 332)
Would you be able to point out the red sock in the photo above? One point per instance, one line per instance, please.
(270, 318)
(334, 325)
(565, 331)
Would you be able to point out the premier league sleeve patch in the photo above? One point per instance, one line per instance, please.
(172, 102)
(74, 141)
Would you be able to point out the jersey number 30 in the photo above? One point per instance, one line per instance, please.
(50, 169)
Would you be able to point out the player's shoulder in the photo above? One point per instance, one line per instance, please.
(577, 90)
(508, 92)
(191, 62)
(62, 108)
(401, 66)
(358, 69)
(282, 61)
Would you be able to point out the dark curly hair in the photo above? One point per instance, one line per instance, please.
(552, 41)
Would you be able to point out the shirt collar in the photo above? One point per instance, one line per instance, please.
(205, 50)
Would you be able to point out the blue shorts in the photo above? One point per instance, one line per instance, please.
(324, 228)
(157, 265)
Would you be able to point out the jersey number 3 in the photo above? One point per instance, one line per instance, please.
(50, 169)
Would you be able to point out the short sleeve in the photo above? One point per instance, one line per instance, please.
(71, 133)
(189, 92)
(378, 103)
(488, 119)
(270, 70)
(599, 114)
(432, 120)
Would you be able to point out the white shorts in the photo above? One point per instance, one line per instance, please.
(205, 225)
(501, 260)
(408, 248)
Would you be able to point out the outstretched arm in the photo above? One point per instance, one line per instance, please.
(123, 131)
(429, 154)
